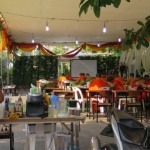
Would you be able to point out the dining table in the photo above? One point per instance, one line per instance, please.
(68, 94)
(50, 89)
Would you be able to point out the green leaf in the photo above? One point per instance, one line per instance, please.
(84, 8)
(133, 37)
(106, 2)
(128, 0)
(140, 23)
(148, 17)
(96, 3)
(103, 3)
(138, 46)
(116, 3)
(81, 2)
(145, 43)
(109, 2)
(96, 11)
(148, 32)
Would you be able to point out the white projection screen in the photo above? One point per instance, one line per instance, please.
(83, 66)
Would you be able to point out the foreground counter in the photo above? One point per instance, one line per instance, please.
(62, 120)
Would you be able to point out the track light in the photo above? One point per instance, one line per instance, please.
(119, 39)
(32, 38)
(104, 28)
(47, 27)
(98, 45)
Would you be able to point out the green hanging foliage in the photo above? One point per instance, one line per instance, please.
(140, 36)
(96, 5)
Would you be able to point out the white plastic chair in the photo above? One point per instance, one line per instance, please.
(79, 97)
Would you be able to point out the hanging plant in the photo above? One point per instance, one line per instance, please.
(96, 5)
(140, 36)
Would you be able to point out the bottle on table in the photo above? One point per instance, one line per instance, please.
(50, 111)
(71, 87)
(19, 99)
(20, 106)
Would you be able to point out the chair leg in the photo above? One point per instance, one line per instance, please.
(143, 104)
(93, 114)
(141, 115)
(141, 110)
(12, 142)
(83, 106)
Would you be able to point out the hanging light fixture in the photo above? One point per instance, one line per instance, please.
(119, 39)
(77, 42)
(104, 28)
(32, 38)
(47, 27)
(98, 45)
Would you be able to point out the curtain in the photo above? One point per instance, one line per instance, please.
(123, 56)
(138, 58)
(146, 59)
(129, 59)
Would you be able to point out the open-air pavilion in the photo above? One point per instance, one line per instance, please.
(41, 24)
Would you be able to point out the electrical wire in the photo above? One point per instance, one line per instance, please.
(69, 19)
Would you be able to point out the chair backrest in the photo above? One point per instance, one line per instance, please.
(104, 88)
(133, 93)
(78, 93)
(105, 93)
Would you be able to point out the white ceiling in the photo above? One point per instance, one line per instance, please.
(25, 17)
